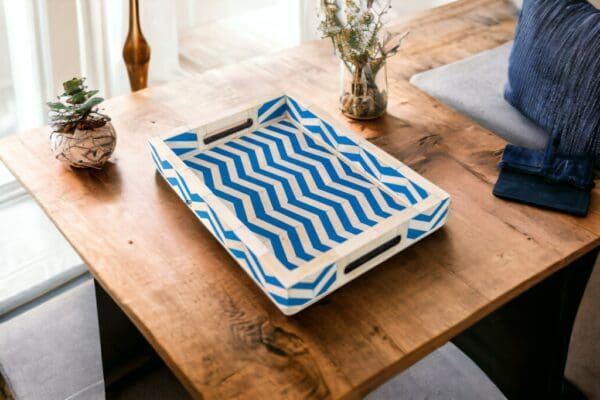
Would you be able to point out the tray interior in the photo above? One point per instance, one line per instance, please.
(295, 192)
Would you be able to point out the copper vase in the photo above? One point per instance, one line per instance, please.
(136, 51)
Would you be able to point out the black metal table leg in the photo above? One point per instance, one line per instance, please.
(523, 345)
(125, 352)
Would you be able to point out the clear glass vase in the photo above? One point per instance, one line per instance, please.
(363, 90)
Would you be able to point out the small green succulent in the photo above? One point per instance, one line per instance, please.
(76, 108)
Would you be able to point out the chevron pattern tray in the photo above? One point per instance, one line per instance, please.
(303, 205)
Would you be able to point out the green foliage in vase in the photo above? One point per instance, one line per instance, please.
(357, 33)
(76, 108)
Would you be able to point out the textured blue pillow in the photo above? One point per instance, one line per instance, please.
(554, 72)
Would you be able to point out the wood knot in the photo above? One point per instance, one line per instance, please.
(429, 140)
(281, 342)
(293, 356)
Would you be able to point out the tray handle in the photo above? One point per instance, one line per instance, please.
(229, 131)
(372, 254)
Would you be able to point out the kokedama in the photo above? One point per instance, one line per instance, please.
(82, 136)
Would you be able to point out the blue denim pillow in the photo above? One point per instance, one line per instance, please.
(554, 72)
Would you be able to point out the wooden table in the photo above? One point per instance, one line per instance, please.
(511, 274)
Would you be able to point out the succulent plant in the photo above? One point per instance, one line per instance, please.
(76, 108)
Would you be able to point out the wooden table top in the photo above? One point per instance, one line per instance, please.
(211, 324)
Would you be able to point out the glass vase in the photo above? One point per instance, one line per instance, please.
(363, 89)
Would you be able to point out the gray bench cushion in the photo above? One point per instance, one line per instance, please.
(50, 348)
(445, 374)
(474, 87)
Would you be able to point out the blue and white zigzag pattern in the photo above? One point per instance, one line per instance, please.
(425, 223)
(183, 143)
(299, 294)
(291, 191)
(411, 192)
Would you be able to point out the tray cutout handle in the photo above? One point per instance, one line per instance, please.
(229, 131)
(372, 254)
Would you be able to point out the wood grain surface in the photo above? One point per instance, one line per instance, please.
(211, 324)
